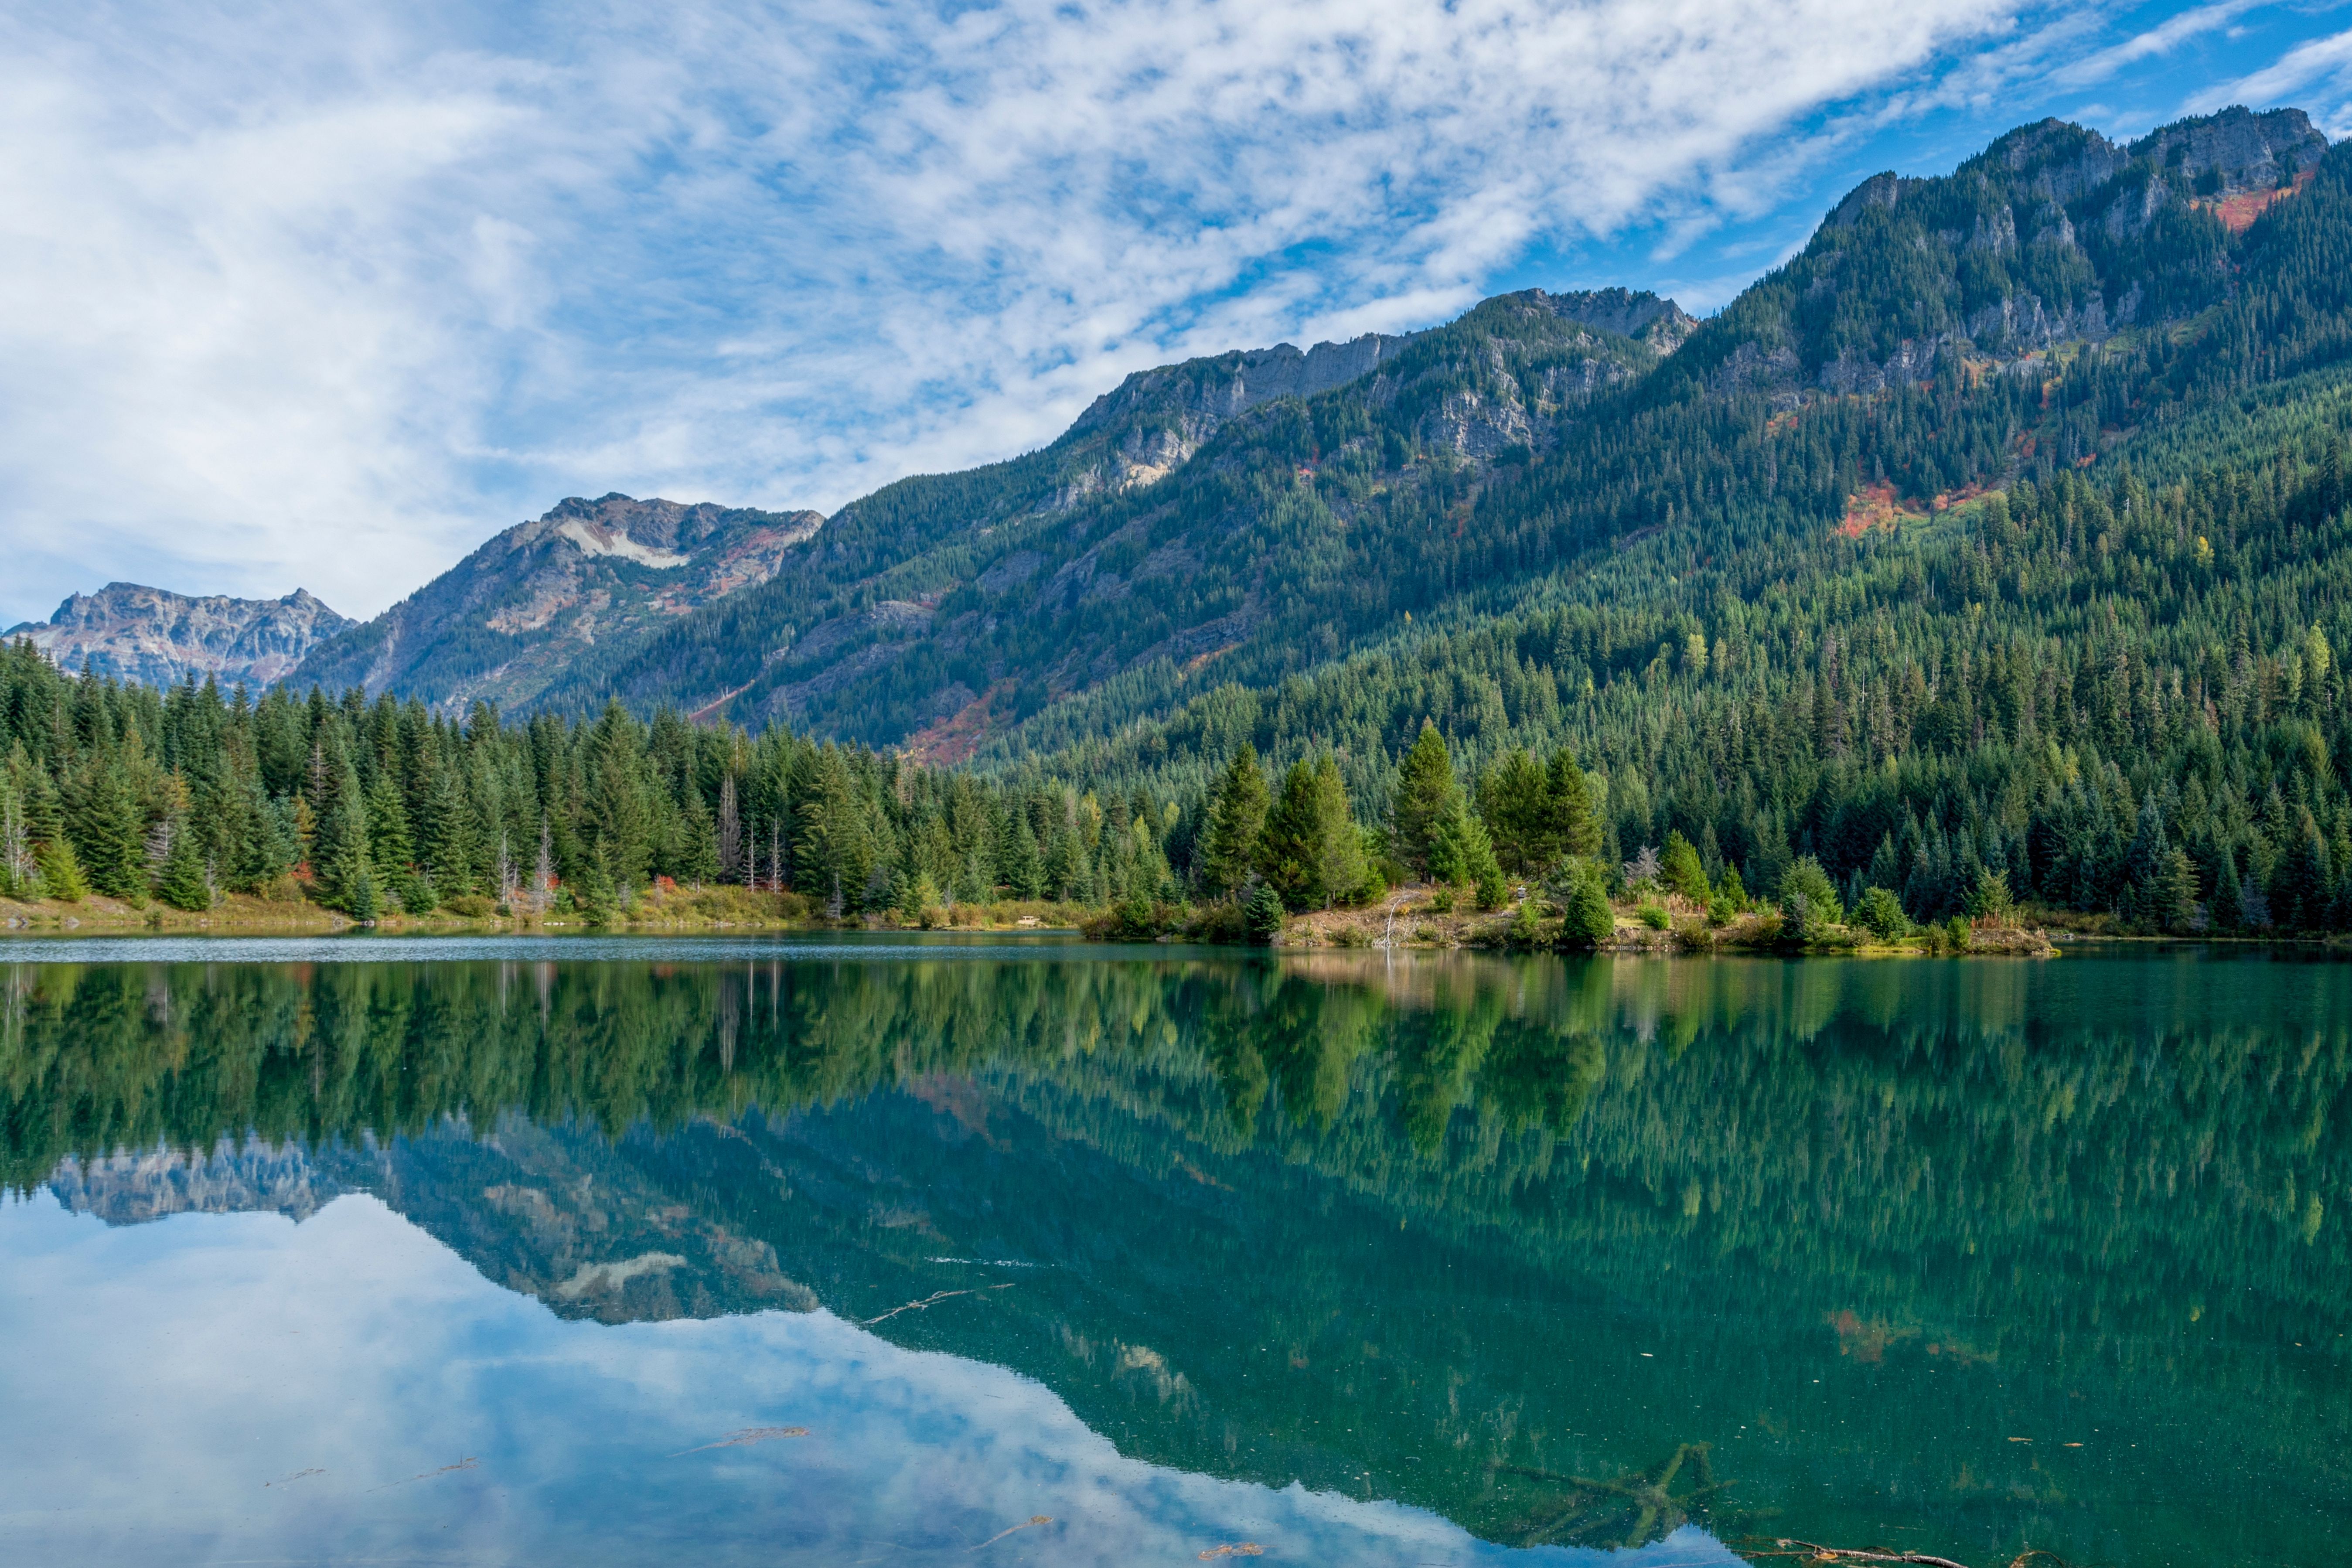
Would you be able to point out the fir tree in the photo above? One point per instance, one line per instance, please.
(1237, 819)
(1426, 796)
(182, 880)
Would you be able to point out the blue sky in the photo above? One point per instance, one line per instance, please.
(325, 294)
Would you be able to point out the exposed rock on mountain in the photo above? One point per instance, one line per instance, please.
(156, 637)
(507, 619)
(549, 1212)
(134, 1188)
(1643, 316)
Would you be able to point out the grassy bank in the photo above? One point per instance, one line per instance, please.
(666, 910)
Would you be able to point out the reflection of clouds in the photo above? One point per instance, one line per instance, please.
(170, 1385)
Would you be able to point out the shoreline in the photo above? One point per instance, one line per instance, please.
(1410, 922)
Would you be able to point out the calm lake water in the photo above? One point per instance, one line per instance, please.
(832, 1253)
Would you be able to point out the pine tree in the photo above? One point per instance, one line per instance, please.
(103, 821)
(389, 852)
(1236, 827)
(1340, 854)
(1426, 793)
(1514, 800)
(1587, 920)
(695, 859)
(61, 874)
(1461, 853)
(342, 868)
(1575, 826)
(1681, 870)
(181, 881)
(731, 830)
(1290, 856)
(1024, 869)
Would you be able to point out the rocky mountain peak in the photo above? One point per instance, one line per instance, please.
(133, 632)
(1638, 314)
(2236, 149)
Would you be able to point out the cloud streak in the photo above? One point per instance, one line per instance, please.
(326, 293)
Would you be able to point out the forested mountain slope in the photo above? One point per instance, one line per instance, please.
(1202, 511)
(2048, 302)
(1785, 622)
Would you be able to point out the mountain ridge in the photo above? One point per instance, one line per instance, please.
(133, 632)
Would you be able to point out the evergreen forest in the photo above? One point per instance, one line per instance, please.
(1993, 554)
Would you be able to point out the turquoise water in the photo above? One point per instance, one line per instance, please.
(1017, 1250)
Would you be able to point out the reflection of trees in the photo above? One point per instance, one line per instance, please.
(1819, 1116)
(1931, 1166)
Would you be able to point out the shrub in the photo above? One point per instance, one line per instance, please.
(1809, 902)
(1881, 912)
(1654, 916)
(1262, 913)
(1525, 927)
(1587, 919)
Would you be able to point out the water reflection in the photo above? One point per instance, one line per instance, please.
(1960, 1256)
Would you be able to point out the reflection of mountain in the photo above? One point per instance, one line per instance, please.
(545, 1212)
(1409, 1232)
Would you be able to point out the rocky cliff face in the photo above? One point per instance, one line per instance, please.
(507, 619)
(147, 635)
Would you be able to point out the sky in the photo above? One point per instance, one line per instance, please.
(325, 294)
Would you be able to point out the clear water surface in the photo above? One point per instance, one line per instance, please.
(838, 1252)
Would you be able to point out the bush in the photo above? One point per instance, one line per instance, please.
(1525, 928)
(1654, 916)
(1262, 913)
(1881, 912)
(1810, 910)
(1587, 919)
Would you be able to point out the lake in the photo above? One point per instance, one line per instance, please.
(833, 1252)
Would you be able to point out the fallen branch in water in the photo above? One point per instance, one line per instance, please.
(933, 1299)
(749, 1435)
(1244, 1549)
(469, 1462)
(1833, 1555)
(1032, 1520)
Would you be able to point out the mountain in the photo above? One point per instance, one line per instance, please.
(507, 620)
(1191, 534)
(156, 637)
(1183, 521)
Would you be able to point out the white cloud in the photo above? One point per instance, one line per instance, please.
(2161, 39)
(325, 294)
(2323, 63)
